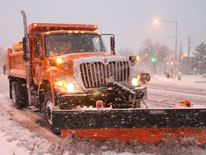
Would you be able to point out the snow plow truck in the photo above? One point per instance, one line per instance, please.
(64, 71)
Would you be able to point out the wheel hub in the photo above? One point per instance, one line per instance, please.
(49, 109)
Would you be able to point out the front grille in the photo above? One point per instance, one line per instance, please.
(96, 74)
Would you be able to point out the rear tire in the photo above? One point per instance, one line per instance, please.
(18, 94)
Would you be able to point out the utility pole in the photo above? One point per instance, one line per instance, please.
(175, 54)
(188, 60)
(189, 46)
(180, 58)
(175, 51)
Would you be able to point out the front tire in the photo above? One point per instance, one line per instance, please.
(48, 107)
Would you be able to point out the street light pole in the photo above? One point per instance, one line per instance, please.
(175, 51)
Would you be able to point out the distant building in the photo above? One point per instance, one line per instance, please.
(188, 65)
(192, 65)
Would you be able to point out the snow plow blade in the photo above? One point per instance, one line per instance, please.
(141, 125)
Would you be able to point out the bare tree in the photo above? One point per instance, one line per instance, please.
(146, 50)
(160, 53)
(126, 52)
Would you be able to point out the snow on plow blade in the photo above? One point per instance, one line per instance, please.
(141, 125)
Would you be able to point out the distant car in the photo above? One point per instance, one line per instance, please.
(145, 77)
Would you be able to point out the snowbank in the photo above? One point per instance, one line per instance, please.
(18, 140)
(186, 80)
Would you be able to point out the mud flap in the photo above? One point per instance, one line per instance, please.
(141, 125)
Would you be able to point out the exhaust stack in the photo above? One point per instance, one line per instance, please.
(27, 60)
(24, 22)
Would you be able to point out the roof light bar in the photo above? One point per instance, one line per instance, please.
(44, 27)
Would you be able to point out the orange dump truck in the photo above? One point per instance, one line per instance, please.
(65, 71)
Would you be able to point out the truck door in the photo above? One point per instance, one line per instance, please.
(38, 57)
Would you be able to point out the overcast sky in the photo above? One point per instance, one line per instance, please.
(130, 20)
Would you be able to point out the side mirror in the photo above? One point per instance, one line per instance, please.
(132, 60)
(112, 44)
(26, 49)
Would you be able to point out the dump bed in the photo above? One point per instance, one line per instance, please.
(16, 64)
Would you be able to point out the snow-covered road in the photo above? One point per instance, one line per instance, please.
(164, 92)
(168, 99)
(20, 135)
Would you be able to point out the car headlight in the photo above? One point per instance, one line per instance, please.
(59, 60)
(66, 86)
(135, 81)
(60, 83)
(70, 87)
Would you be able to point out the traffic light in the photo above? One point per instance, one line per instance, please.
(153, 59)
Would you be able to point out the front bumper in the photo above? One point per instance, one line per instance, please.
(116, 96)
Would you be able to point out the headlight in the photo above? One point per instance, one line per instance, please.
(139, 76)
(70, 87)
(64, 86)
(60, 83)
(56, 62)
(59, 60)
(135, 82)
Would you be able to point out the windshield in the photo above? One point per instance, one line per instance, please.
(60, 44)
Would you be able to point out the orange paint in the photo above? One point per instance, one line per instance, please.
(148, 135)
(44, 27)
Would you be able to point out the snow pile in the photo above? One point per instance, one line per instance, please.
(73, 145)
(17, 140)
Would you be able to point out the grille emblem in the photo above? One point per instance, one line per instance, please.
(105, 61)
